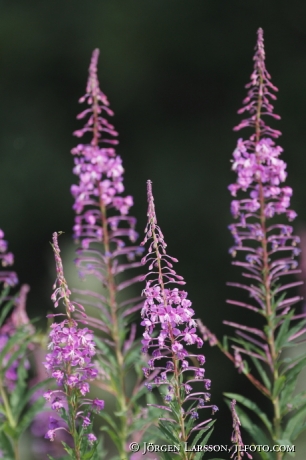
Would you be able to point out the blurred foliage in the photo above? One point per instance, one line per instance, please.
(174, 72)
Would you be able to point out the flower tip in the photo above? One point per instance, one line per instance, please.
(149, 189)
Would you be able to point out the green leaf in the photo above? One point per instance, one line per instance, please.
(19, 390)
(253, 407)
(89, 455)
(166, 456)
(278, 385)
(108, 352)
(294, 422)
(294, 368)
(10, 430)
(109, 420)
(6, 446)
(17, 339)
(285, 332)
(285, 398)
(298, 430)
(288, 404)
(29, 393)
(113, 435)
(201, 432)
(142, 391)
(261, 372)
(6, 308)
(200, 454)
(68, 449)
(225, 343)
(132, 355)
(166, 431)
(282, 335)
(29, 415)
(20, 352)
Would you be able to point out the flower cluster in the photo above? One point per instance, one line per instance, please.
(8, 278)
(260, 173)
(256, 160)
(170, 327)
(74, 348)
(70, 358)
(260, 165)
(99, 169)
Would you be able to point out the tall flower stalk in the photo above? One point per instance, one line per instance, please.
(266, 249)
(106, 234)
(169, 329)
(70, 364)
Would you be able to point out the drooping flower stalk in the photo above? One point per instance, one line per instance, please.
(70, 364)
(169, 330)
(238, 445)
(267, 248)
(107, 236)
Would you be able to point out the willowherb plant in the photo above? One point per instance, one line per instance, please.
(168, 385)
(270, 248)
(70, 363)
(17, 340)
(107, 236)
(169, 329)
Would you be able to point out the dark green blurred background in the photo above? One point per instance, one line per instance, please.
(174, 72)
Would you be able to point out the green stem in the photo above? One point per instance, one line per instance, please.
(122, 399)
(121, 395)
(10, 418)
(269, 313)
(177, 392)
(8, 411)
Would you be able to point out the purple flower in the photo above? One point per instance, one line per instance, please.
(99, 170)
(98, 404)
(50, 435)
(8, 278)
(106, 234)
(169, 324)
(57, 404)
(91, 438)
(70, 352)
(53, 423)
(268, 249)
(86, 422)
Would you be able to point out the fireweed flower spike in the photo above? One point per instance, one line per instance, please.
(70, 363)
(169, 330)
(106, 234)
(266, 248)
